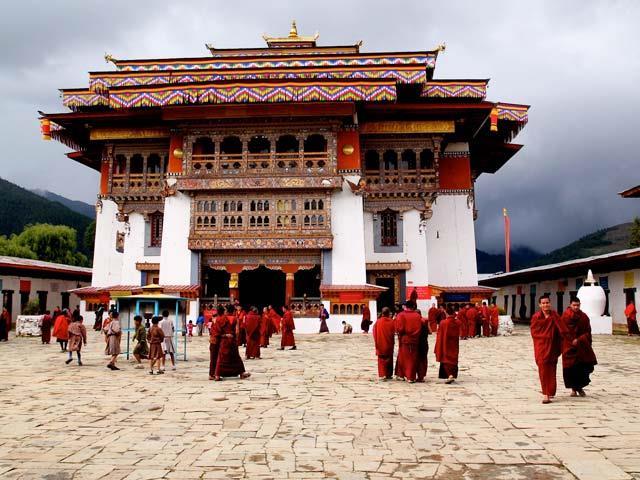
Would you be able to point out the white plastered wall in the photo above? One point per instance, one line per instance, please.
(178, 264)
(107, 262)
(347, 225)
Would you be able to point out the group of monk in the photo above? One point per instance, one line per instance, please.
(567, 335)
(478, 320)
(232, 327)
(413, 331)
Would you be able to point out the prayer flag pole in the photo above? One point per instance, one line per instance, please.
(507, 240)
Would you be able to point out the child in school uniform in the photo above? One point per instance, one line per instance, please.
(156, 339)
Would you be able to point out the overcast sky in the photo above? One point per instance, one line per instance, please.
(575, 62)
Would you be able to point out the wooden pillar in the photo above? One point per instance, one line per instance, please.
(234, 290)
(288, 290)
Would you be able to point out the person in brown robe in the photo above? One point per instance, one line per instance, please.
(578, 358)
(61, 329)
(366, 319)
(45, 328)
(448, 346)
(266, 329)
(252, 327)
(113, 332)
(632, 321)
(384, 337)
(546, 346)
(229, 363)
(156, 339)
(432, 315)
(408, 326)
(77, 336)
(324, 328)
(494, 319)
(288, 326)
(214, 343)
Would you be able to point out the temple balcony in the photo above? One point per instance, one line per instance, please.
(138, 171)
(399, 170)
(262, 155)
(399, 180)
(140, 183)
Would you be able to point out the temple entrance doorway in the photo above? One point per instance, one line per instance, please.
(307, 283)
(262, 287)
(386, 299)
(215, 285)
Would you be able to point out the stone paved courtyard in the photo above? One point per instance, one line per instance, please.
(317, 412)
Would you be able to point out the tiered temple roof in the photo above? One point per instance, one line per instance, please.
(290, 70)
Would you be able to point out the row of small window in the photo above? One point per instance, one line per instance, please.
(260, 144)
(258, 205)
(155, 163)
(257, 221)
(389, 161)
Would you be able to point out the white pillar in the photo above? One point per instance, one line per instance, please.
(107, 262)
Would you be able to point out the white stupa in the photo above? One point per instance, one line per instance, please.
(592, 302)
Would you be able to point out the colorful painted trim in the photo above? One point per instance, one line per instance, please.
(513, 112)
(74, 99)
(455, 89)
(428, 60)
(378, 91)
(104, 81)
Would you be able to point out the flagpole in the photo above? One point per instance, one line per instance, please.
(507, 240)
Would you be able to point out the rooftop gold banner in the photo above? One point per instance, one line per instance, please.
(420, 126)
(127, 133)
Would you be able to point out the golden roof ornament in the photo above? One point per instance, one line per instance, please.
(441, 48)
(109, 58)
(292, 39)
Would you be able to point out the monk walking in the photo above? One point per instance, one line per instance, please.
(423, 351)
(447, 346)
(275, 319)
(384, 338)
(486, 320)
(266, 329)
(252, 328)
(632, 322)
(432, 315)
(5, 325)
(113, 332)
(229, 363)
(366, 319)
(578, 358)
(464, 324)
(546, 346)
(45, 327)
(288, 326)
(494, 319)
(408, 327)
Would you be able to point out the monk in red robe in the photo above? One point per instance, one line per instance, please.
(486, 320)
(252, 327)
(366, 319)
(546, 346)
(432, 315)
(578, 358)
(276, 320)
(632, 321)
(5, 325)
(384, 338)
(240, 315)
(472, 315)
(494, 313)
(265, 328)
(448, 346)
(288, 326)
(423, 351)
(45, 328)
(462, 319)
(408, 326)
(229, 363)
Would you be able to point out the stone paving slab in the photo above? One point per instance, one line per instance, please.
(318, 412)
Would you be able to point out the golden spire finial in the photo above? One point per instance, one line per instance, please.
(109, 58)
(293, 33)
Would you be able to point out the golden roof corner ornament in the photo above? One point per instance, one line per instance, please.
(293, 33)
(109, 58)
(441, 48)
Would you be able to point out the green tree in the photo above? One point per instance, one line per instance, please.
(52, 243)
(10, 248)
(89, 238)
(634, 234)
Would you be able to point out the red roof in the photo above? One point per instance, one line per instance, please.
(27, 264)
(188, 291)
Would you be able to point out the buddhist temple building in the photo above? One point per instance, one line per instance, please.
(292, 173)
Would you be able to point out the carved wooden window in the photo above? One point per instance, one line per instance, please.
(156, 220)
(426, 159)
(389, 228)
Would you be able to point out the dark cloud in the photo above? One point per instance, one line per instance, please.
(573, 61)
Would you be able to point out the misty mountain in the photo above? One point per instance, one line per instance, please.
(521, 257)
(75, 205)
